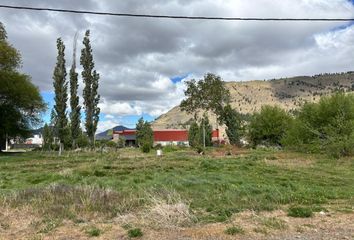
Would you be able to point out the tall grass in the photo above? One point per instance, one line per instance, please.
(199, 188)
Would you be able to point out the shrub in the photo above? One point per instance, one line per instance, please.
(268, 126)
(300, 212)
(234, 230)
(327, 126)
(111, 144)
(146, 148)
(135, 233)
(93, 232)
(232, 119)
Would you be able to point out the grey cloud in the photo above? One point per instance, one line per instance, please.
(132, 54)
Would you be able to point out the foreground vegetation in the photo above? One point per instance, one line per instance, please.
(198, 188)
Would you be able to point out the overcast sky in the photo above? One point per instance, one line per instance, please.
(143, 62)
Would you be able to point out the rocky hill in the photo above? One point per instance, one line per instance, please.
(250, 96)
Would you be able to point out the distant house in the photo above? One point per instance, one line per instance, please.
(129, 137)
(164, 137)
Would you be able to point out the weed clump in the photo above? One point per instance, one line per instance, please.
(93, 232)
(274, 223)
(300, 212)
(234, 230)
(135, 233)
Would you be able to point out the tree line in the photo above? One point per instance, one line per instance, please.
(323, 127)
(66, 127)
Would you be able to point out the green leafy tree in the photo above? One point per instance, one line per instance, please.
(144, 135)
(233, 121)
(269, 126)
(20, 101)
(90, 94)
(61, 93)
(210, 94)
(75, 114)
(206, 94)
(83, 141)
(327, 126)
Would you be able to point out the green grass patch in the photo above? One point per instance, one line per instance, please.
(135, 233)
(93, 231)
(300, 212)
(215, 188)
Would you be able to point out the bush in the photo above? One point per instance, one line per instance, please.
(82, 141)
(146, 148)
(268, 126)
(300, 212)
(135, 233)
(327, 126)
(111, 144)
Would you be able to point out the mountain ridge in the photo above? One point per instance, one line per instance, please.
(288, 93)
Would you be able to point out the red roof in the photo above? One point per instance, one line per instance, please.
(170, 135)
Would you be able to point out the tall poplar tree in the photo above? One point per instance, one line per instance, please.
(61, 93)
(74, 100)
(90, 94)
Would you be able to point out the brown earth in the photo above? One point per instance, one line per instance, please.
(23, 224)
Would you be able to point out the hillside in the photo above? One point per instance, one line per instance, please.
(106, 135)
(288, 93)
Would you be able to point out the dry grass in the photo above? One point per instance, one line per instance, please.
(162, 211)
(168, 212)
(64, 201)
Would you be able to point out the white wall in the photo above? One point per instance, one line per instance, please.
(175, 143)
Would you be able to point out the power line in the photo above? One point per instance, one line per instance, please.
(177, 16)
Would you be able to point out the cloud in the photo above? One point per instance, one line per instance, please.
(137, 57)
(104, 125)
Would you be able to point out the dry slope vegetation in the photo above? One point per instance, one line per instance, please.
(288, 93)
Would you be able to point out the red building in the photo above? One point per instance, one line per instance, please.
(163, 137)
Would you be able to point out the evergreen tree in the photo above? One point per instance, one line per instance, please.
(61, 92)
(194, 135)
(206, 131)
(90, 94)
(74, 102)
(139, 132)
(144, 135)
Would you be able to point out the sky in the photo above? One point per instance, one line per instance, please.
(144, 63)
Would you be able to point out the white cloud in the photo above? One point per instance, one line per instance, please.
(103, 125)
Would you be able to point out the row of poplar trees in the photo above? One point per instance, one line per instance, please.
(65, 127)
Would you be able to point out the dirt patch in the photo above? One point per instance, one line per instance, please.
(228, 151)
(23, 224)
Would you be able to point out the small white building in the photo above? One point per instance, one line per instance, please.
(37, 139)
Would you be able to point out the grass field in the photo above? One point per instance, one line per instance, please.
(180, 189)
